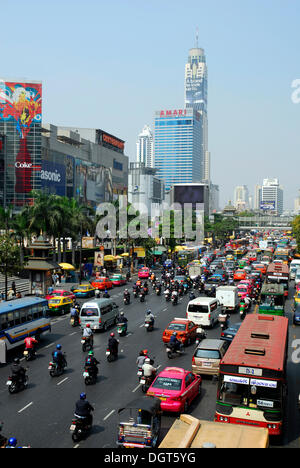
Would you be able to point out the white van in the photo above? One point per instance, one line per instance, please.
(204, 311)
(99, 313)
(294, 266)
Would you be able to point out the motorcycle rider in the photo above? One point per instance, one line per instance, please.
(30, 343)
(105, 294)
(148, 369)
(12, 442)
(18, 372)
(175, 296)
(58, 357)
(123, 320)
(127, 295)
(141, 358)
(149, 318)
(83, 410)
(75, 314)
(113, 345)
(91, 363)
(88, 334)
(174, 343)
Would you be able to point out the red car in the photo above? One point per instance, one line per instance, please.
(176, 388)
(144, 273)
(185, 329)
(102, 283)
(61, 292)
(239, 275)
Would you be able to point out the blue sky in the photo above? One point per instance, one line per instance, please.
(111, 65)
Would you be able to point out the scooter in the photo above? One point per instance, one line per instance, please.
(29, 354)
(90, 378)
(126, 300)
(171, 352)
(79, 428)
(74, 321)
(174, 300)
(15, 386)
(87, 343)
(146, 382)
(110, 357)
(142, 297)
(149, 325)
(55, 370)
(122, 329)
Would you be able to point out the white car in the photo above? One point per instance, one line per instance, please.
(297, 278)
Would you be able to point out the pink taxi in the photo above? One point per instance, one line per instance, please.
(144, 273)
(176, 388)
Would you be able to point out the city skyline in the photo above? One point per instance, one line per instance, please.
(253, 120)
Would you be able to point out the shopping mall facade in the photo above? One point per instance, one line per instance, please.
(87, 164)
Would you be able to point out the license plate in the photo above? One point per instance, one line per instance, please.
(162, 398)
(85, 374)
(146, 325)
(26, 353)
(140, 373)
(143, 381)
(50, 368)
(207, 364)
(229, 336)
(73, 427)
(107, 353)
(82, 341)
(9, 382)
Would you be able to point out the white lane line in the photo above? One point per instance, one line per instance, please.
(62, 381)
(25, 407)
(108, 415)
(49, 345)
(76, 446)
(164, 310)
(139, 385)
(74, 333)
(141, 326)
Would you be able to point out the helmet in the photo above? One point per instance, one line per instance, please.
(174, 334)
(121, 313)
(88, 325)
(58, 347)
(148, 312)
(12, 442)
(126, 290)
(145, 351)
(91, 353)
(82, 396)
(147, 360)
(112, 334)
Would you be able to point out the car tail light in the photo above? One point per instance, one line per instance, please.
(99, 320)
(193, 360)
(222, 334)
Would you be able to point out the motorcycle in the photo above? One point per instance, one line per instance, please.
(29, 354)
(79, 428)
(146, 290)
(149, 325)
(110, 356)
(168, 297)
(142, 297)
(126, 300)
(200, 335)
(15, 385)
(146, 382)
(171, 352)
(174, 300)
(87, 344)
(74, 321)
(55, 370)
(122, 329)
(135, 293)
(90, 377)
(158, 291)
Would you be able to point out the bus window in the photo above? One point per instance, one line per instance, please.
(10, 319)
(17, 317)
(3, 321)
(23, 315)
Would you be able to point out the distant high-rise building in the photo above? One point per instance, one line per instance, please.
(257, 197)
(271, 196)
(195, 97)
(297, 205)
(144, 147)
(241, 197)
(178, 146)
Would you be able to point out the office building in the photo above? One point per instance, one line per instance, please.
(178, 146)
(145, 190)
(297, 205)
(144, 147)
(271, 197)
(241, 198)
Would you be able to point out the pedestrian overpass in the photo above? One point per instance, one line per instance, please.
(280, 223)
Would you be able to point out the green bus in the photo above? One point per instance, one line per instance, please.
(272, 299)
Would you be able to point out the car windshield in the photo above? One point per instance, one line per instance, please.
(89, 312)
(207, 354)
(177, 326)
(54, 301)
(168, 383)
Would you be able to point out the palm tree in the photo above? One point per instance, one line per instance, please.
(20, 225)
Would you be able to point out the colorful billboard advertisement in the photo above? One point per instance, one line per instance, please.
(53, 178)
(93, 182)
(268, 205)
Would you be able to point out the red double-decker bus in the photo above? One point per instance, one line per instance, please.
(252, 385)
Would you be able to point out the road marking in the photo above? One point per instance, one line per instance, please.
(62, 381)
(76, 446)
(139, 385)
(164, 310)
(74, 333)
(49, 345)
(25, 407)
(141, 326)
(108, 415)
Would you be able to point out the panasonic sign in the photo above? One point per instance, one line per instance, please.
(53, 178)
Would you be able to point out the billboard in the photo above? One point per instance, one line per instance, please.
(189, 194)
(93, 182)
(20, 122)
(53, 178)
(268, 205)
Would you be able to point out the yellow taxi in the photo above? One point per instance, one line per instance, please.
(83, 290)
(297, 297)
(60, 305)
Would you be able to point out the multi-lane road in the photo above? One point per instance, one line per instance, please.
(41, 415)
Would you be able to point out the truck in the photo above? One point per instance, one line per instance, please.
(192, 433)
(195, 270)
(228, 297)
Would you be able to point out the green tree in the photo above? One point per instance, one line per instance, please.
(9, 258)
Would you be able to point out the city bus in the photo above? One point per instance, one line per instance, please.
(278, 272)
(20, 318)
(252, 385)
(186, 256)
(272, 300)
(282, 254)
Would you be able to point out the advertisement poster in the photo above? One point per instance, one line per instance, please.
(93, 182)
(53, 178)
(99, 259)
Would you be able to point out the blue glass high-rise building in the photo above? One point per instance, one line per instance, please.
(178, 146)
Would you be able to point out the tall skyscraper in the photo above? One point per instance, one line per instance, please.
(272, 196)
(144, 147)
(241, 197)
(178, 146)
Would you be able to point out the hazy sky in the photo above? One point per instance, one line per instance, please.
(112, 64)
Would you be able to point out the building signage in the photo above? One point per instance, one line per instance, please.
(53, 178)
(173, 113)
(268, 205)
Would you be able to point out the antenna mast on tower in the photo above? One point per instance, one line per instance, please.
(197, 37)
